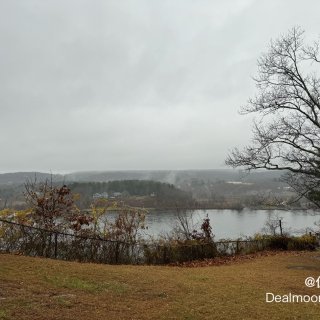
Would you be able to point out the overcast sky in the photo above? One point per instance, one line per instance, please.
(132, 84)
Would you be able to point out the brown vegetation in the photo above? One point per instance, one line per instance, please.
(34, 288)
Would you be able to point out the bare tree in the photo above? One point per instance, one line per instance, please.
(185, 225)
(286, 136)
(49, 203)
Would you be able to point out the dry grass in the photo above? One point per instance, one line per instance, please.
(34, 288)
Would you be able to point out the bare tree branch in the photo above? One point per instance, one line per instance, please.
(287, 135)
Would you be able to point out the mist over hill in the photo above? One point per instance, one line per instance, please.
(167, 176)
(17, 178)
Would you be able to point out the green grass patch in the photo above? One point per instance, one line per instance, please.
(3, 315)
(64, 301)
(85, 285)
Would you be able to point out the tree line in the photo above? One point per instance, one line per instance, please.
(156, 194)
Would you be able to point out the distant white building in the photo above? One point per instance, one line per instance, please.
(117, 194)
(103, 195)
(240, 183)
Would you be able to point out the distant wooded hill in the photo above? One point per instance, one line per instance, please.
(16, 178)
(167, 176)
(136, 192)
(130, 188)
(210, 188)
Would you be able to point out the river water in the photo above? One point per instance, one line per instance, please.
(232, 224)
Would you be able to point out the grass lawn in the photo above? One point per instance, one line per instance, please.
(35, 288)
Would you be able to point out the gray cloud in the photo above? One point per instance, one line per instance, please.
(146, 84)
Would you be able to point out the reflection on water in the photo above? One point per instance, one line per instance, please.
(236, 223)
